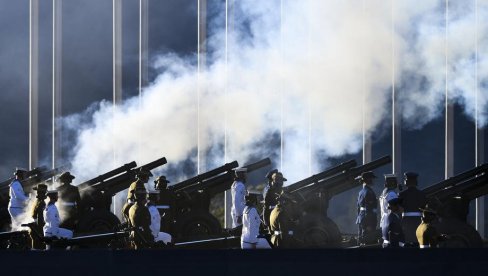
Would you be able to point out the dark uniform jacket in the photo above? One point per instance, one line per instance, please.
(367, 205)
(167, 198)
(413, 199)
(427, 235)
(393, 232)
(140, 218)
(282, 227)
(69, 199)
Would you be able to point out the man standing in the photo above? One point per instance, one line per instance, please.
(392, 232)
(427, 235)
(51, 216)
(142, 178)
(165, 203)
(388, 193)
(37, 214)
(283, 223)
(271, 192)
(69, 199)
(413, 200)
(238, 192)
(152, 198)
(367, 205)
(140, 220)
(250, 226)
(18, 198)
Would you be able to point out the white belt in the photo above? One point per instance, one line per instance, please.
(424, 246)
(162, 206)
(272, 207)
(279, 233)
(412, 214)
(130, 201)
(386, 242)
(364, 209)
(401, 244)
(68, 203)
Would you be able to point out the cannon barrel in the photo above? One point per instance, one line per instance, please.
(469, 189)
(343, 181)
(38, 177)
(28, 174)
(107, 175)
(122, 181)
(257, 165)
(204, 176)
(451, 181)
(320, 176)
(11, 234)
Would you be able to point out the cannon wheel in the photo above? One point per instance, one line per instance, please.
(97, 221)
(315, 231)
(197, 224)
(461, 234)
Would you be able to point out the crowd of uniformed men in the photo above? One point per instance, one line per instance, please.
(405, 217)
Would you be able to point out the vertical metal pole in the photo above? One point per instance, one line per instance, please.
(479, 134)
(116, 71)
(33, 83)
(449, 119)
(143, 44)
(228, 27)
(57, 81)
(202, 49)
(282, 138)
(367, 145)
(396, 112)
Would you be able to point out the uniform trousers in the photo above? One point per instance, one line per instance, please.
(164, 237)
(261, 244)
(15, 213)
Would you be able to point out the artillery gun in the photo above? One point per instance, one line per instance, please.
(314, 227)
(451, 199)
(32, 178)
(97, 193)
(192, 217)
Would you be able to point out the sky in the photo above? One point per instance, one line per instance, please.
(307, 80)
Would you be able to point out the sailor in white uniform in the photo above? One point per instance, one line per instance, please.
(18, 198)
(388, 194)
(250, 226)
(152, 198)
(238, 192)
(51, 216)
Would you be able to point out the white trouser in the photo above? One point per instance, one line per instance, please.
(261, 244)
(164, 237)
(15, 213)
(59, 233)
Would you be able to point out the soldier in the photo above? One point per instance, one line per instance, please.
(140, 221)
(427, 235)
(250, 226)
(270, 193)
(283, 222)
(152, 198)
(69, 199)
(413, 199)
(142, 178)
(388, 193)
(37, 214)
(392, 232)
(367, 205)
(238, 192)
(165, 203)
(18, 198)
(51, 216)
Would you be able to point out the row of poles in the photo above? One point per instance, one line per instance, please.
(201, 48)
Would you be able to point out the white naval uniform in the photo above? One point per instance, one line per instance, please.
(51, 228)
(250, 230)
(386, 196)
(156, 226)
(18, 200)
(238, 192)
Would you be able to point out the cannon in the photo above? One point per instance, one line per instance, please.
(96, 196)
(314, 227)
(451, 198)
(192, 217)
(32, 178)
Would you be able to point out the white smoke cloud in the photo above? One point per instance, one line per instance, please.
(318, 64)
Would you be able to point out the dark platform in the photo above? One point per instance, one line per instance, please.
(412, 262)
